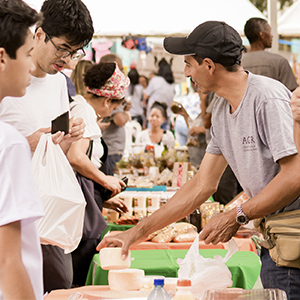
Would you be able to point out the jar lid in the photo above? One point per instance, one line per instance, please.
(184, 282)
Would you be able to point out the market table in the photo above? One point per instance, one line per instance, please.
(244, 244)
(243, 265)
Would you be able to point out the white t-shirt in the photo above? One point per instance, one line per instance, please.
(167, 139)
(19, 201)
(80, 108)
(45, 99)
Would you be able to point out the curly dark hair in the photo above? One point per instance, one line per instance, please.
(67, 18)
(15, 19)
(96, 76)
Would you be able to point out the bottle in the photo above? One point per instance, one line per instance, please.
(165, 151)
(159, 293)
(184, 290)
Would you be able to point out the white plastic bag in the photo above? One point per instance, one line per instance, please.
(61, 196)
(206, 273)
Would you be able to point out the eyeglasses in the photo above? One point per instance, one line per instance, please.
(63, 53)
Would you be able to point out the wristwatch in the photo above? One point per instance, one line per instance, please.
(241, 218)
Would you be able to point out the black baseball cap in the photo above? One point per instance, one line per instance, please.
(212, 39)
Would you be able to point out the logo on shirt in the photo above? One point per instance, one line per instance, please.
(249, 143)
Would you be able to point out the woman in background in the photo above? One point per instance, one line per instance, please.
(134, 94)
(155, 135)
(77, 76)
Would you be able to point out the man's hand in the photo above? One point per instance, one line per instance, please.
(220, 228)
(76, 131)
(117, 204)
(119, 240)
(295, 105)
(113, 184)
(34, 138)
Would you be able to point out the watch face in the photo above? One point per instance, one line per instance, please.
(241, 219)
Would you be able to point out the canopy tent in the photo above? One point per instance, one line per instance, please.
(162, 17)
(288, 23)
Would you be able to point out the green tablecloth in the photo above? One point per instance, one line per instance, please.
(115, 227)
(244, 265)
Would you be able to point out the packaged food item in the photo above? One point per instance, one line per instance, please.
(165, 237)
(125, 280)
(140, 200)
(112, 216)
(185, 237)
(183, 227)
(110, 259)
(184, 290)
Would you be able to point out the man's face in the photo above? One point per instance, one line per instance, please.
(267, 36)
(197, 73)
(19, 69)
(45, 54)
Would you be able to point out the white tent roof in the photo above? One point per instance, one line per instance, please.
(288, 23)
(163, 17)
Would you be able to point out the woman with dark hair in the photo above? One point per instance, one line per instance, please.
(155, 135)
(106, 86)
(134, 94)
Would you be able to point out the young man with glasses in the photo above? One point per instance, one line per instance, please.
(65, 29)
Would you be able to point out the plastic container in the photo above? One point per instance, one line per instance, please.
(128, 279)
(184, 290)
(110, 259)
(159, 293)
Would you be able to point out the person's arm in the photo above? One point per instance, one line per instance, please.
(281, 190)
(286, 75)
(121, 118)
(195, 192)
(83, 165)
(184, 113)
(14, 280)
(206, 117)
(295, 105)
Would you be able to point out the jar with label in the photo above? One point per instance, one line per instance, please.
(190, 175)
(184, 290)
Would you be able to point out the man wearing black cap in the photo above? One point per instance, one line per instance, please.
(252, 131)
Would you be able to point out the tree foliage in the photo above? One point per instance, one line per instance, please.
(262, 4)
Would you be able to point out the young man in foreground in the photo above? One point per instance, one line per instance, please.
(20, 250)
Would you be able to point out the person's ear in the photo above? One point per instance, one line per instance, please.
(209, 64)
(3, 59)
(262, 35)
(106, 101)
(39, 34)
